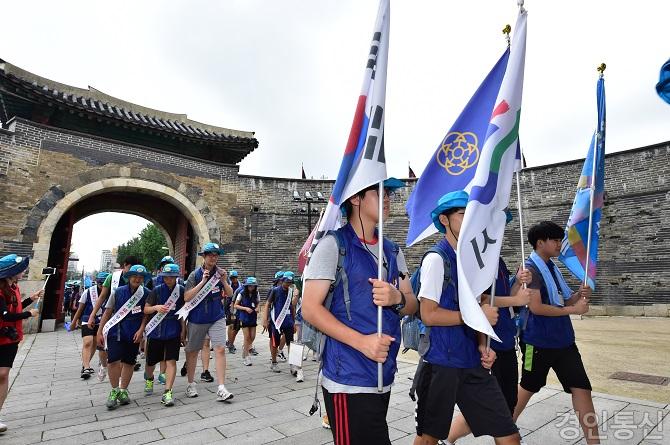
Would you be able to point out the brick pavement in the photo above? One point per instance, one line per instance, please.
(49, 403)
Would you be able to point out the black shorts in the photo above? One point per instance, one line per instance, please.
(506, 371)
(566, 363)
(475, 391)
(86, 331)
(248, 324)
(275, 335)
(126, 351)
(358, 418)
(8, 354)
(159, 350)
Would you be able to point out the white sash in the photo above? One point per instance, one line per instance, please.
(174, 296)
(284, 310)
(121, 313)
(116, 280)
(93, 294)
(206, 289)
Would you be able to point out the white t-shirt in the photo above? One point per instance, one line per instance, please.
(85, 296)
(432, 277)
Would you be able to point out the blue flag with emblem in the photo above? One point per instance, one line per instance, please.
(453, 165)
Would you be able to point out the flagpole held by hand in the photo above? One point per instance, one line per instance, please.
(380, 264)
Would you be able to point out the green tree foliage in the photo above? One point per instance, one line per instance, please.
(147, 246)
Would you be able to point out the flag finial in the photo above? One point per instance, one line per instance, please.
(601, 69)
(506, 30)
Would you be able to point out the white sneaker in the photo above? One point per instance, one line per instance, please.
(3, 427)
(281, 356)
(102, 373)
(275, 367)
(246, 361)
(291, 369)
(191, 390)
(223, 394)
(299, 377)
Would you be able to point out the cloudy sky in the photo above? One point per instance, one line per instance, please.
(291, 70)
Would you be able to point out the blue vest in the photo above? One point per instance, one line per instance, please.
(505, 328)
(126, 328)
(342, 363)
(547, 332)
(280, 296)
(88, 307)
(210, 308)
(452, 346)
(170, 327)
(250, 301)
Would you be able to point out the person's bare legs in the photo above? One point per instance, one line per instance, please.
(170, 373)
(459, 428)
(425, 439)
(114, 371)
(149, 372)
(126, 375)
(582, 402)
(523, 397)
(220, 360)
(191, 362)
(204, 355)
(87, 351)
(4, 384)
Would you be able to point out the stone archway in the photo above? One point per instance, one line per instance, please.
(46, 227)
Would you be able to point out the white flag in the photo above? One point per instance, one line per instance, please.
(481, 234)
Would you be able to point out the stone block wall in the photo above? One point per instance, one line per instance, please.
(262, 228)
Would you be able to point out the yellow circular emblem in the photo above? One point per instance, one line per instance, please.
(459, 152)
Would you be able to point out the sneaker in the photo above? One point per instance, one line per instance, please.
(3, 427)
(246, 361)
(83, 374)
(137, 366)
(142, 357)
(206, 377)
(324, 422)
(166, 400)
(102, 373)
(183, 370)
(113, 399)
(191, 390)
(161, 378)
(281, 355)
(293, 370)
(274, 367)
(124, 399)
(299, 377)
(253, 351)
(232, 349)
(223, 394)
(148, 387)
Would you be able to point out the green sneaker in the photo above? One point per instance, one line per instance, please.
(148, 387)
(113, 399)
(161, 378)
(166, 400)
(124, 399)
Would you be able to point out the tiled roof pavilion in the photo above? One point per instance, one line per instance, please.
(28, 96)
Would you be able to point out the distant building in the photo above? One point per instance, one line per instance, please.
(72, 263)
(106, 262)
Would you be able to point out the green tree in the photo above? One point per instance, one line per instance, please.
(147, 247)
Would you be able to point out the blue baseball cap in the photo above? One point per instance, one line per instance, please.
(279, 274)
(138, 270)
(12, 264)
(211, 248)
(101, 277)
(170, 270)
(453, 200)
(288, 276)
(251, 281)
(233, 274)
(166, 259)
(393, 184)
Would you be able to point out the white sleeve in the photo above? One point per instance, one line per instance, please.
(238, 298)
(84, 296)
(432, 277)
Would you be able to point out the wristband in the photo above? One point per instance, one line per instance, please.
(400, 306)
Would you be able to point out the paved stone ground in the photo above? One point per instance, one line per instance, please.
(49, 403)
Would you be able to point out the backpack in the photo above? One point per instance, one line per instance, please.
(229, 303)
(412, 327)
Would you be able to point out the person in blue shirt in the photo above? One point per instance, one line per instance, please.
(457, 363)
(247, 304)
(123, 339)
(279, 310)
(548, 340)
(509, 294)
(355, 407)
(207, 319)
(232, 322)
(164, 341)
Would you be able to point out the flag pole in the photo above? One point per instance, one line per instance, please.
(380, 264)
(592, 192)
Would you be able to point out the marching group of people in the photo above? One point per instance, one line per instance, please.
(129, 310)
